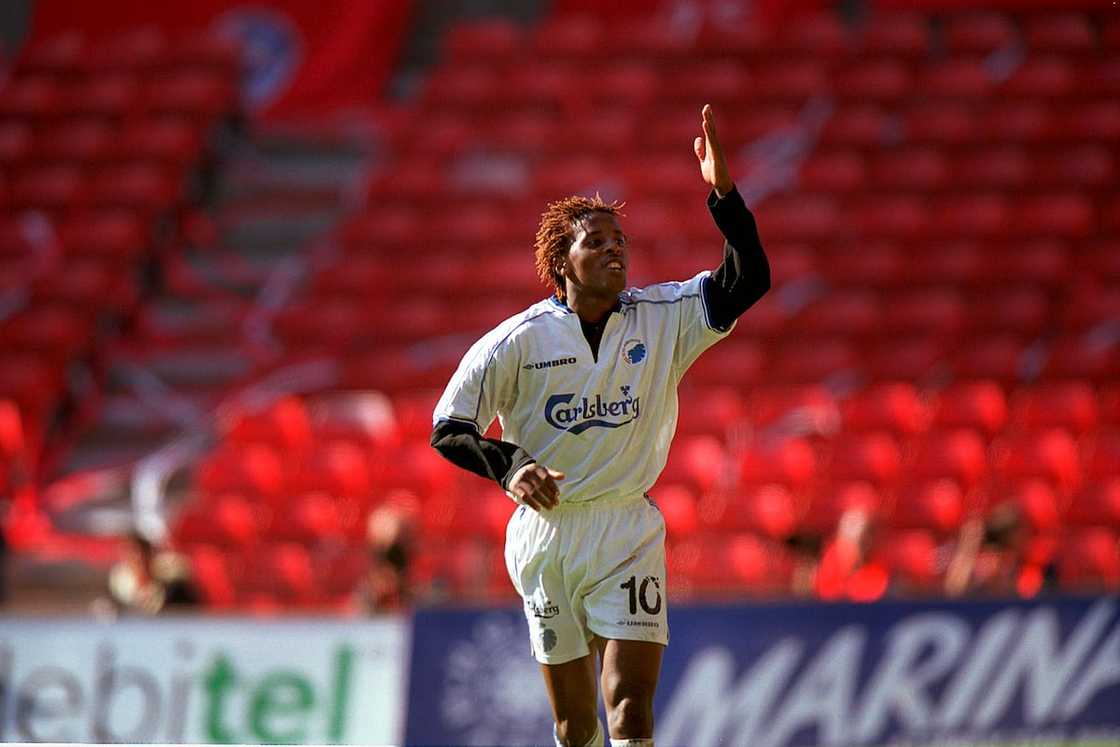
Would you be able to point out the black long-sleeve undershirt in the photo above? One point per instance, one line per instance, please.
(741, 279)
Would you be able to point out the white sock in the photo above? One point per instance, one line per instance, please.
(595, 741)
(631, 742)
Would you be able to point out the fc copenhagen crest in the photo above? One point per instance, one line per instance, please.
(633, 351)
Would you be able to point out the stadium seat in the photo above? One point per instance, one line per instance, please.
(979, 405)
(872, 457)
(963, 78)
(80, 141)
(491, 40)
(979, 32)
(166, 141)
(997, 168)
(859, 126)
(1098, 503)
(895, 407)
(898, 215)
(1069, 405)
(905, 357)
(149, 190)
(15, 144)
(791, 462)
(1051, 455)
(923, 169)
(1023, 309)
(678, 504)
(957, 455)
(938, 506)
(1089, 560)
(857, 313)
(831, 171)
(896, 34)
(1003, 358)
(30, 98)
(1019, 121)
(882, 79)
(941, 123)
(49, 188)
(823, 358)
(1059, 33)
(711, 408)
(116, 235)
(1042, 77)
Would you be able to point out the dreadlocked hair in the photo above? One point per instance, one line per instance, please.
(557, 232)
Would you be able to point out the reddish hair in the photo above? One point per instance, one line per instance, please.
(557, 232)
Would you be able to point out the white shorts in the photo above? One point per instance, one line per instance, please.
(588, 569)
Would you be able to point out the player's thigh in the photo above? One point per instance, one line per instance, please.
(572, 690)
(630, 671)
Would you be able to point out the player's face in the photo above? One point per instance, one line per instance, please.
(597, 259)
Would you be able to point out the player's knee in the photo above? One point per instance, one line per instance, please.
(576, 732)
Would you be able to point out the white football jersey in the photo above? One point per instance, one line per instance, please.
(606, 423)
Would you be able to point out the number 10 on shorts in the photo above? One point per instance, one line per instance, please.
(640, 593)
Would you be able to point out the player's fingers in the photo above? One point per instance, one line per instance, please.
(551, 491)
(556, 475)
(698, 146)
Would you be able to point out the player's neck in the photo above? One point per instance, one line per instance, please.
(591, 308)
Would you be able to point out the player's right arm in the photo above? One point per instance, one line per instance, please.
(485, 383)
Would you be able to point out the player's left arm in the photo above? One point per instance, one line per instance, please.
(743, 276)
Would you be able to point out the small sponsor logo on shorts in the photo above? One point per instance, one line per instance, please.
(550, 364)
(543, 611)
(548, 639)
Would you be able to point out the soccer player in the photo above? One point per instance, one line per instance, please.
(585, 386)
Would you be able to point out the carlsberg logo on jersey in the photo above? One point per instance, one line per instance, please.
(591, 413)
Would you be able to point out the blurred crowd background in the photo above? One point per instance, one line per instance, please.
(242, 248)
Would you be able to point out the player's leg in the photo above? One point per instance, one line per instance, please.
(629, 679)
(572, 691)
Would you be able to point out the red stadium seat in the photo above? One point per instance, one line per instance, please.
(1059, 32)
(15, 143)
(979, 32)
(215, 582)
(1086, 355)
(1016, 122)
(1064, 214)
(771, 510)
(114, 235)
(81, 141)
(895, 407)
(1050, 455)
(821, 359)
(791, 462)
(1069, 405)
(957, 455)
(873, 457)
(898, 216)
(759, 566)
(712, 409)
(55, 188)
(873, 264)
(874, 80)
(833, 499)
(859, 126)
(922, 169)
(943, 123)
(1003, 358)
(1042, 77)
(978, 404)
(111, 97)
(168, 141)
(997, 168)
(1092, 120)
(831, 171)
(904, 357)
(1089, 560)
(1103, 455)
(719, 81)
(855, 313)
(931, 310)
(1022, 309)
(58, 55)
(570, 37)
(896, 34)
(139, 187)
(1098, 503)
(699, 460)
(965, 78)
(201, 96)
(30, 98)
(935, 505)
(492, 40)
(678, 504)
(971, 216)
(135, 50)
(1084, 166)
(821, 35)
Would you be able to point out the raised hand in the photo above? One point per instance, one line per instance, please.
(535, 486)
(713, 166)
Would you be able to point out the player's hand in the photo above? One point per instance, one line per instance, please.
(713, 166)
(535, 486)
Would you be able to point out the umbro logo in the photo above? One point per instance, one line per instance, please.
(550, 364)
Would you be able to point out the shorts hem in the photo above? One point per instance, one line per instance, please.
(632, 636)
